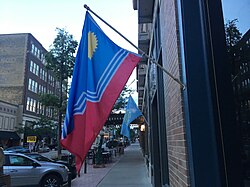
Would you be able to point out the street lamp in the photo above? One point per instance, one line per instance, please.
(142, 128)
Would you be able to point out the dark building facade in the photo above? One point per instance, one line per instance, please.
(241, 82)
(191, 136)
(23, 76)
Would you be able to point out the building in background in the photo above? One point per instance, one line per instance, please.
(191, 137)
(9, 119)
(241, 84)
(23, 77)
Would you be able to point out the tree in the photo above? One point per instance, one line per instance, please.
(50, 100)
(233, 35)
(121, 102)
(41, 129)
(60, 59)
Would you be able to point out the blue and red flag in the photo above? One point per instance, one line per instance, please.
(101, 70)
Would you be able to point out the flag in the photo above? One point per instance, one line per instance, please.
(132, 112)
(101, 70)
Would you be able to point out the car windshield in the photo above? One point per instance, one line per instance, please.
(39, 157)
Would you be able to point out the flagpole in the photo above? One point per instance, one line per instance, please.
(140, 50)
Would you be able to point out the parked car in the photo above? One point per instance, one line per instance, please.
(44, 149)
(70, 165)
(26, 171)
(18, 149)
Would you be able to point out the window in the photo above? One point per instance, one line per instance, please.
(12, 123)
(49, 112)
(35, 51)
(35, 87)
(6, 123)
(16, 160)
(38, 53)
(32, 48)
(42, 58)
(34, 68)
(31, 104)
(1, 122)
(37, 70)
(31, 66)
(39, 108)
(42, 89)
(42, 74)
(51, 80)
(45, 76)
(144, 28)
(43, 110)
(28, 104)
(32, 85)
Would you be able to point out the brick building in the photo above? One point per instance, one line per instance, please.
(190, 138)
(23, 76)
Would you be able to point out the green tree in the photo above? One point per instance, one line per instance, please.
(122, 100)
(42, 128)
(60, 59)
(50, 100)
(233, 35)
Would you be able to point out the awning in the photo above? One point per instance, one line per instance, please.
(5, 135)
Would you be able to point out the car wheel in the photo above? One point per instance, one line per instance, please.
(51, 181)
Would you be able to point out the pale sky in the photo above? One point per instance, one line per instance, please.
(42, 17)
(240, 10)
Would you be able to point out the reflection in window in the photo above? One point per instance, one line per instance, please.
(19, 161)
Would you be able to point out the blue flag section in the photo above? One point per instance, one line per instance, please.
(101, 70)
(132, 112)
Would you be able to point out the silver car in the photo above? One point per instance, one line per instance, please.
(26, 171)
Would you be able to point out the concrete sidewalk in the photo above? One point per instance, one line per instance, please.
(93, 175)
(130, 171)
(127, 170)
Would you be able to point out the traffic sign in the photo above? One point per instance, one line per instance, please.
(31, 138)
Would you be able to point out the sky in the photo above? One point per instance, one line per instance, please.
(240, 10)
(42, 17)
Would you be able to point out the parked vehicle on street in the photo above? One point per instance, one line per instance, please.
(18, 149)
(44, 149)
(26, 171)
(70, 166)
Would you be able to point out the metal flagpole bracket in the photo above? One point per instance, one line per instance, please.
(140, 50)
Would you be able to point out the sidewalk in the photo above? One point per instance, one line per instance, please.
(127, 170)
(93, 175)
